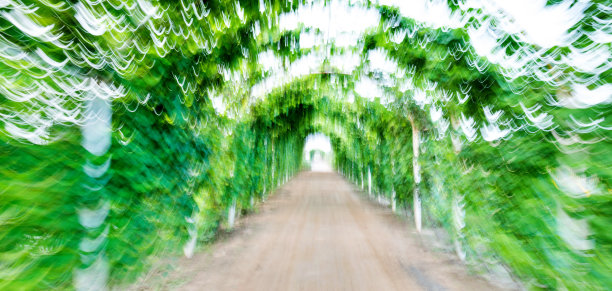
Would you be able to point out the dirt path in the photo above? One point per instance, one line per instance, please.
(317, 233)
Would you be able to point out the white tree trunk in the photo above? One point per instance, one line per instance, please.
(393, 202)
(417, 173)
(369, 181)
(231, 214)
(96, 131)
(192, 230)
(263, 193)
(361, 179)
(458, 211)
(417, 209)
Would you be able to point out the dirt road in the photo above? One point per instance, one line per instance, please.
(317, 233)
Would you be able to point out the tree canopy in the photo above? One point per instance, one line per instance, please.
(132, 129)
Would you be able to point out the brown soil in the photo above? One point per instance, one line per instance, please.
(318, 233)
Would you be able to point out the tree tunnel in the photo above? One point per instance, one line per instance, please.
(133, 130)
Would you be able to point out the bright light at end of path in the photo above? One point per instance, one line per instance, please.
(318, 152)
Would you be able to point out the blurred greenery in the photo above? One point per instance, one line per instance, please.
(180, 162)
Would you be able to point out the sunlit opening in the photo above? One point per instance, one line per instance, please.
(318, 153)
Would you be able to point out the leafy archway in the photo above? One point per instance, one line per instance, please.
(144, 127)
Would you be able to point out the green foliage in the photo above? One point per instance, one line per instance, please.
(189, 142)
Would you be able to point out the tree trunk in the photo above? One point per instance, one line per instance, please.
(96, 131)
(231, 214)
(417, 173)
(369, 182)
